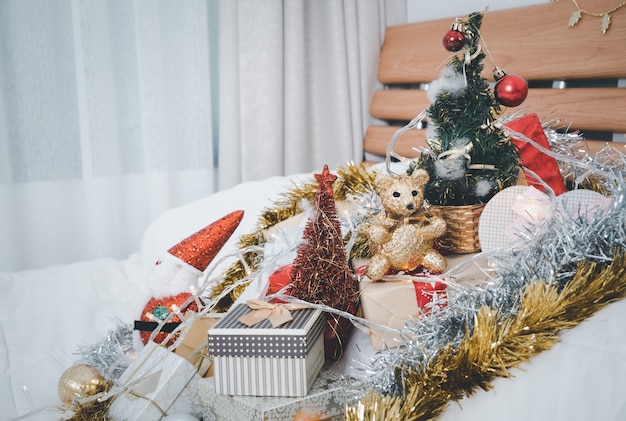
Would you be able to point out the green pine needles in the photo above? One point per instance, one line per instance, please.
(470, 158)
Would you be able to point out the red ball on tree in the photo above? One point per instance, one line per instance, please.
(510, 90)
(453, 40)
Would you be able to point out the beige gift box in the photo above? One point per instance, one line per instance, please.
(194, 345)
(392, 303)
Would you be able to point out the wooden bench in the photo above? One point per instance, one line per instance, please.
(573, 73)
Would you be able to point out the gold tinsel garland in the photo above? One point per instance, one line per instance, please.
(498, 344)
(352, 179)
(92, 411)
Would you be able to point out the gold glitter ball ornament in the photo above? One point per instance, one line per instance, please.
(80, 381)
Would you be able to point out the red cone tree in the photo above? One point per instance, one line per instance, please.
(321, 274)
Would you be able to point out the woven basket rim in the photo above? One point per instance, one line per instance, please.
(464, 237)
(460, 207)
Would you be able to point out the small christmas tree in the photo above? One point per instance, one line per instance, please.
(320, 273)
(470, 157)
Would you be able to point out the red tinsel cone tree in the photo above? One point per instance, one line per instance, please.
(320, 273)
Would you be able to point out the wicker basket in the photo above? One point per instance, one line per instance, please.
(462, 221)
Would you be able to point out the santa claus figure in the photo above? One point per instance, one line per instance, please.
(174, 279)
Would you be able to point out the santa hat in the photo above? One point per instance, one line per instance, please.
(179, 269)
(176, 274)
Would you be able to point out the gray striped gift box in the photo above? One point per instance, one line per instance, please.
(265, 361)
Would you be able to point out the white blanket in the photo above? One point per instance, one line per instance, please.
(48, 314)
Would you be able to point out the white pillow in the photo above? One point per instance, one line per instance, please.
(176, 224)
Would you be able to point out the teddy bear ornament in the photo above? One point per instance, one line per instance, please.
(401, 235)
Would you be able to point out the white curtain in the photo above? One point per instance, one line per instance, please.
(112, 111)
(305, 72)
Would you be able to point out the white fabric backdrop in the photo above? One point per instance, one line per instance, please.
(306, 71)
(112, 111)
(105, 106)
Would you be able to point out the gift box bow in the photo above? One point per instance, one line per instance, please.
(278, 314)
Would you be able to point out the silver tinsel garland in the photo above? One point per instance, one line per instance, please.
(112, 354)
(549, 255)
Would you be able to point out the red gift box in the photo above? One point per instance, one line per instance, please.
(545, 166)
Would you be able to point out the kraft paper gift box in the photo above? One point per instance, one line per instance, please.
(193, 346)
(156, 384)
(392, 303)
(263, 360)
(326, 400)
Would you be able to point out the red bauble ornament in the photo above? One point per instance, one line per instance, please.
(279, 279)
(453, 40)
(510, 90)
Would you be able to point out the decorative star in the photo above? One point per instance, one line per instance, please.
(326, 180)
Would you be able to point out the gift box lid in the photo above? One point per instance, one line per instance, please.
(294, 339)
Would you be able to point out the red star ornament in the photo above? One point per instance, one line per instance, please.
(326, 180)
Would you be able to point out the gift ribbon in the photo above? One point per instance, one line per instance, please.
(151, 326)
(203, 362)
(468, 60)
(145, 385)
(277, 314)
(152, 401)
(454, 153)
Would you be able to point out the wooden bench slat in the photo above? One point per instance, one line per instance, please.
(577, 106)
(533, 42)
(398, 104)
(602, 109)
(377, 138)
